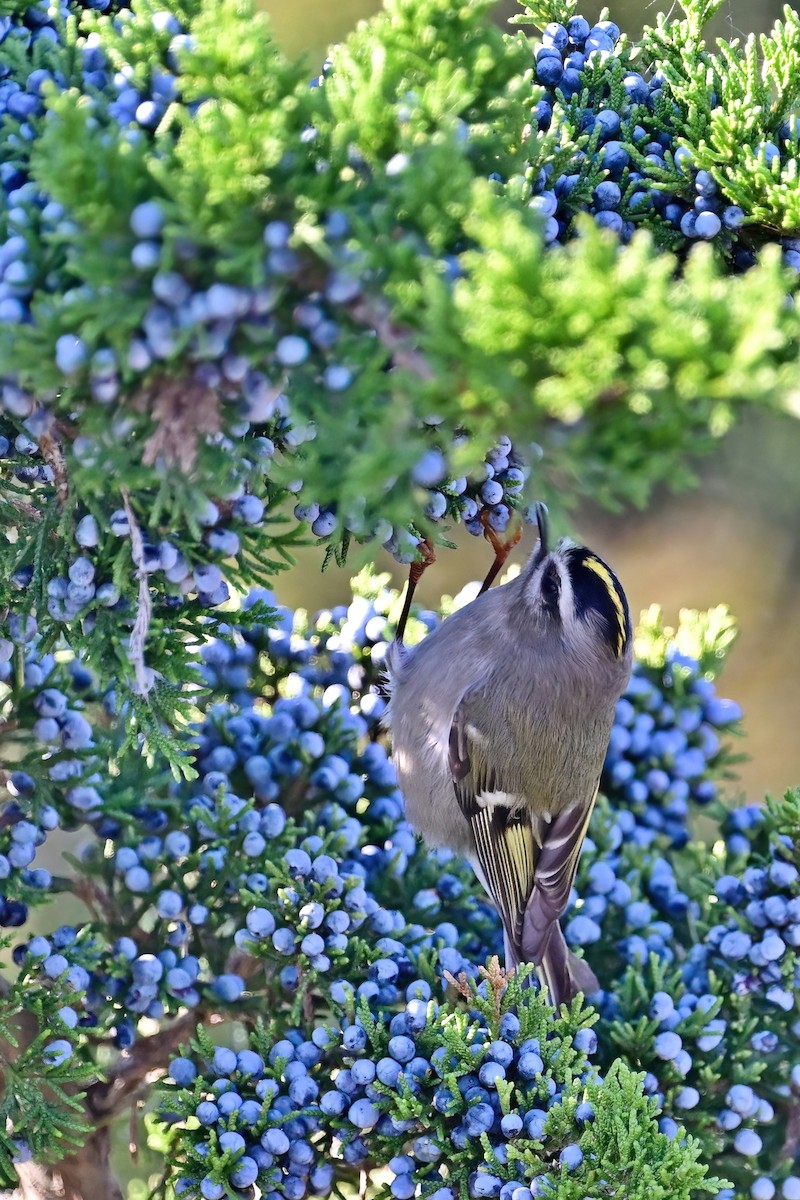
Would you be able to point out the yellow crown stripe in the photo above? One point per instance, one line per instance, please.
(601, 570)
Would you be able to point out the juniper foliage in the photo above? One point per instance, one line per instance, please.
(462, 271)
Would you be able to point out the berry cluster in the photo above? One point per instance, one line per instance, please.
(340, 652)
(34, 225)
(313, 745)
(629, 899)
(112, 986)
(631, 133)
(483, 501)
(93, 572)
(50, 746)
(259, 1116)
(463, 1082)
(504, 1105)
(758, 943)
(247, 345)
(665, 749)
(679, 1035)
(629, 889)
(286, 874)
(220, 329)
(21, 453)
(328, 899)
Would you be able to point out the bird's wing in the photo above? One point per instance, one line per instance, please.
(501, 826)
(542, 941)
(528, 859)
(556, 865)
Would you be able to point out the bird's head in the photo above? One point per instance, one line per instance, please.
(570, 592)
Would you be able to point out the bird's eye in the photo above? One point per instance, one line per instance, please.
(551, 588)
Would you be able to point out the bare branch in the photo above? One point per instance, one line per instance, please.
(184, 411)
(791, 1142)
(85, 1175)
(96, 899)
(133, 1132)
(144, 611)
(54, 457)
(396, 338)
(22, 506)
(138, 1067)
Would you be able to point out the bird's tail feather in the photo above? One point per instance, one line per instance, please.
(558, 969)
(513, 957)
(562, 972)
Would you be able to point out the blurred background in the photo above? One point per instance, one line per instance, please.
(312, 27)
(734, 539)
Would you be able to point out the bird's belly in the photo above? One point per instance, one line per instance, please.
(424, 778)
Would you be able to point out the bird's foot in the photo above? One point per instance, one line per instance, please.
(502, 548)
(415, 573)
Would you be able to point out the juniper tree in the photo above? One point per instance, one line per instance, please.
(463, 270)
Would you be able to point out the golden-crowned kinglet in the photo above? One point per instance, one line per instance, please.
(500, 721)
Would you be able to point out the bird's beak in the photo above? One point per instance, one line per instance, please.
(541, 521)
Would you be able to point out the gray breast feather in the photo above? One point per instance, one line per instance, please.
(426, 685)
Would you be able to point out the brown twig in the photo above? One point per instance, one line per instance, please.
(396, 338)
(791, 1142)
(243, 964)
(93, 896)
(144, 611)
(137, 1067)
(184, 412)
(460, 984)
(23, 507)
(308, 1006)
(497, 977)
(54, 457)
(295, 796)
(133, 1131)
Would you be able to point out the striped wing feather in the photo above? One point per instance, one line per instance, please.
(555, 873)
(528, 863)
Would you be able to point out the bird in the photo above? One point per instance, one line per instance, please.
(500, 720)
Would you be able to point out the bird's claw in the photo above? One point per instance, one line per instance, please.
(415, 572)
(502, 548)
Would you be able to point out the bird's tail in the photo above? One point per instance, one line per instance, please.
(560, 971)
